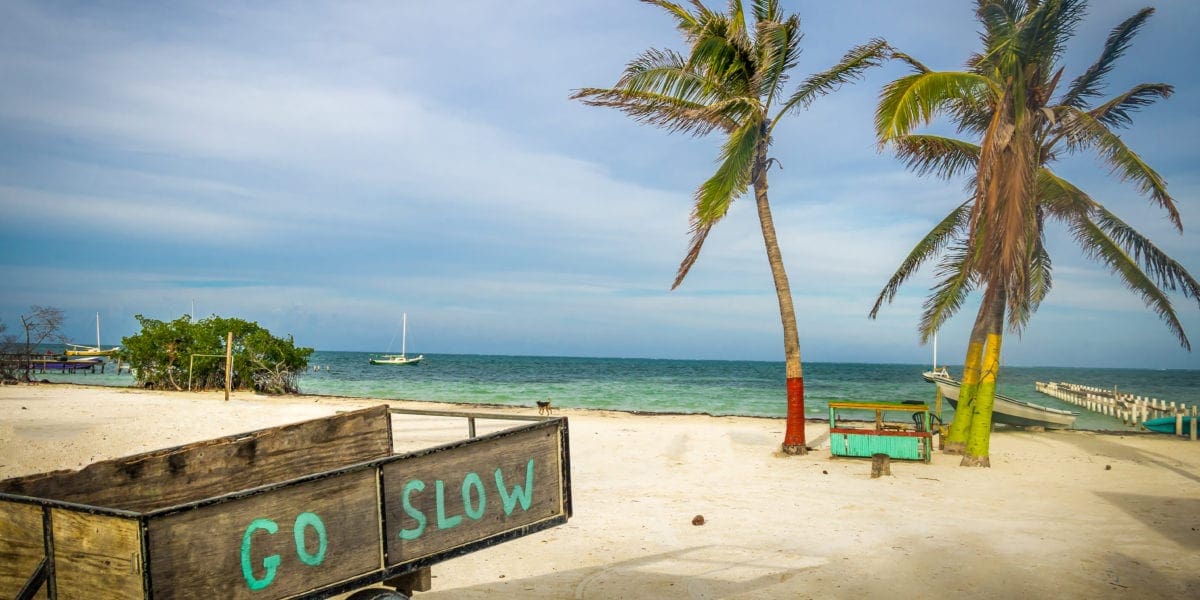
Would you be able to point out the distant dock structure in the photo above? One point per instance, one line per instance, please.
(37, 363)
(1130, 409)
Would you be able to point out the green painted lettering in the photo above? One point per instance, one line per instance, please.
(270, 563)
(418, 516)
(472, 480)
(524, 495)
(303, 521)
(442, 521)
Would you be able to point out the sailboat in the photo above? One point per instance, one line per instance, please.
(399, 359)
(81, 350)
(1009, 411)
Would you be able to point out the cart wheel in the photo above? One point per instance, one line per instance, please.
(377, 594)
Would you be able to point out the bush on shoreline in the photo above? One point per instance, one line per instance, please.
(183, 354)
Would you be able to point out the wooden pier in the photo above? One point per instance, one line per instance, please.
(1129, 409)
(39, 363)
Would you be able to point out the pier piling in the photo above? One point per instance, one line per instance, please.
(1130, 409)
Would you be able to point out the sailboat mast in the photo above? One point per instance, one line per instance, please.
(97, 331)
(404, 336)
(935, 351)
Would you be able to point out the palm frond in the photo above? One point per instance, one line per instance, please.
(765, 10)
(947, 296)
(1045, 29)
(972, 117)
(1090, 83)
(731, 112)
(917, 66)
(1098, 246)
(716, 195)
(850, 68)
(666, 72)
(733, 29)
(700, 233)
(943, 156)
(779, 48)
(1085, 131)
(1048, 90)
(737, 17)
(915, 99)
(1039, 282)
(1166, 271)
(929, 246)
(1061, 199)
(1000, 20)
(1117, 112)
(721, 59)
(669, 113)
(1074, 207)
(687, 23)
(657, 88)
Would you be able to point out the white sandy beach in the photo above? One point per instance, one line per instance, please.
(1059, 514)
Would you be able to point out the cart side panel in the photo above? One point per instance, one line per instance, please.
(445, 500)
(22, 545)
(271, 544)
(164, 478)
(96, 556)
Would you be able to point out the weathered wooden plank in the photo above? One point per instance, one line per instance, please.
(22, 545)
(96, 556)
(272, 544)
(174, 476)
(444, 500)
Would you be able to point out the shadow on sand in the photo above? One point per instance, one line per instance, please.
(1098, 445)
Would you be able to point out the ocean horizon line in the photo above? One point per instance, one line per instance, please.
(757, 360)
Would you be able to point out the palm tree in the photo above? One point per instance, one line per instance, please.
(732, 80)
(996, 239)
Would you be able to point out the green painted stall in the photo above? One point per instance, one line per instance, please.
(908, 439)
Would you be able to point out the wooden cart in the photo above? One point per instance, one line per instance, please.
(911, 439)
(308, 510)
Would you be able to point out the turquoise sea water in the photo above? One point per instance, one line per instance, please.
(747, 388)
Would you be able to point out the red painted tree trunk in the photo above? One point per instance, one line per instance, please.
(793, 436)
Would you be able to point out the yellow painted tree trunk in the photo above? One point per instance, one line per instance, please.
(980, 434)
(956, 439)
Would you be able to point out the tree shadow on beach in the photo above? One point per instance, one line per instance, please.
(713, 571)
(1098, 445)
(1175, 518)
(907, 566)
(1133, 575)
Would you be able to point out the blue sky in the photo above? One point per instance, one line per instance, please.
(323, 167)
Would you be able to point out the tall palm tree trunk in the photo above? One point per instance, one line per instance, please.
(980, 434)
(793, 437)
(956, 439)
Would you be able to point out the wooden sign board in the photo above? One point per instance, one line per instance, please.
(270, 545)
(442, 501)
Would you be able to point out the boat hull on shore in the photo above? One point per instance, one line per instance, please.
(1167, 424)
(1008, 411)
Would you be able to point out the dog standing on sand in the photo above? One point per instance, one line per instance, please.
(544, 407)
